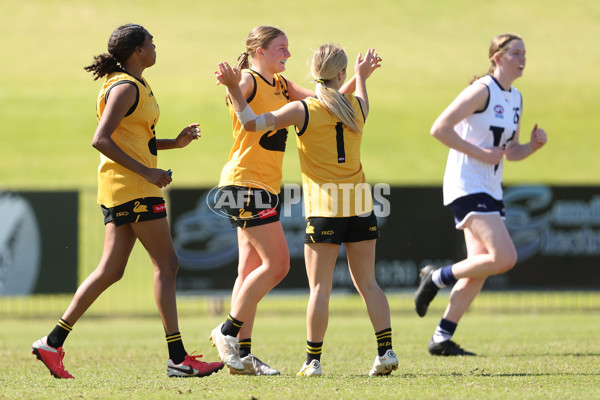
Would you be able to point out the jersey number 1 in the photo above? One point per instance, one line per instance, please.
(339, 139)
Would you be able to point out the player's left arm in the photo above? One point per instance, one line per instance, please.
(516, 151)
(350, 86)
(297, 92)
(185, 137)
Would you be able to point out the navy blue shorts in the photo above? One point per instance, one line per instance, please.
(478, 203)
(137, 210)
(341, 229)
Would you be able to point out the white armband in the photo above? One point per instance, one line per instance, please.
(263, 125)
(246, 115)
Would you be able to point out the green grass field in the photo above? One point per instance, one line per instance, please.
(430, 49)
(521, 355)
(538, 346)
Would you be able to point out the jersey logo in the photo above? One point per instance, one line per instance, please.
(274, 141)
(284, 91)
(499, 110)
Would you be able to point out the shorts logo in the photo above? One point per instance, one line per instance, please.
(140, 208)
(244, 214)
(158, 208)
(250, 200)
(122, 214)
(328, 233)
(309, 228)
(267, 213)
(372, 228)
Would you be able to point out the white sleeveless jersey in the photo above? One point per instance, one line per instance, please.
(494, 126)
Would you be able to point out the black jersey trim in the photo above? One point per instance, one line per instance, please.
(253, 94)
(263, 78)
(133, 76)
(487, 102)
(499, 85)
(303, 129)
(137, 95)
(361, 110)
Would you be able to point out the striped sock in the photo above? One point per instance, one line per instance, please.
(313, 351)
(384, 341)
(231, 327)
(444, 331)
(443, 277)
(245, 347)
(177, 352)
(59, 334)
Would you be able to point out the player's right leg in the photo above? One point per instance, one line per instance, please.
(320, 261)
(269, 242)
(118, 243)
(249, 260)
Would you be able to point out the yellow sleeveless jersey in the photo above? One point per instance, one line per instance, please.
(334, 184)
(136, 136)
(256, 158)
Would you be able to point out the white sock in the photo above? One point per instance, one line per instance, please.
(441, 335)
(436, 277)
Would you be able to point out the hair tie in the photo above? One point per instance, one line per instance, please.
(507, 42)
(321, 81)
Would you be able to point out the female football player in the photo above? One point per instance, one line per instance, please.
(253, 172)
(329, 130)
(129, 194)
(481, 127)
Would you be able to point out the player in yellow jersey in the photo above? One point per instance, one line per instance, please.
(129, 192)
(329, 129)
(252, 178)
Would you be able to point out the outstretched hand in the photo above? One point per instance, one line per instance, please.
(364, 67)
(538, 137)
(228, 76)
(189, 133)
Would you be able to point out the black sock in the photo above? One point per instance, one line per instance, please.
(177, 352)
(57, 337)
(384, 341)
(313, 351)
(245, 347)
(231, 327)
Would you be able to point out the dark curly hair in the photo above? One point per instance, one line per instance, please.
(122, 43)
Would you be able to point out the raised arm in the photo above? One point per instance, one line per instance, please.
(290, 114)
(363, 67)
(350, 86)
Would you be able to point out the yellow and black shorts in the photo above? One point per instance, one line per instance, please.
(138, 210)
(247, 207)
(341, 229)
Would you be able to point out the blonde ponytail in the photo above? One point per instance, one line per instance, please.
(328, 60)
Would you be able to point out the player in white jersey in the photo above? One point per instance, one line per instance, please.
(481, 128)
